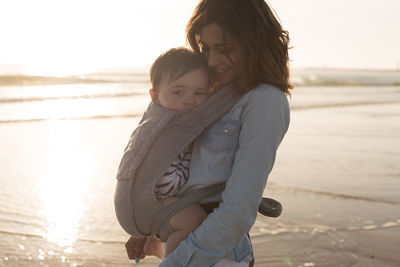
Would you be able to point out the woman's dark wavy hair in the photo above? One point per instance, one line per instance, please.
(256, 28)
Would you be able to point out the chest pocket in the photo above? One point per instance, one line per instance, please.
(223, 135)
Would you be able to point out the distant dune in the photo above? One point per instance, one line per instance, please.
(299, 76)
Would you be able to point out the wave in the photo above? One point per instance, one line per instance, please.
(36, 235)
(112, 116)
(346, 104)
(26, 80)
(135, 115)
(335, 195)
(31, 99)
(307, 81)
(345, 77)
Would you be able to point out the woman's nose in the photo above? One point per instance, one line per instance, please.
(213, 59)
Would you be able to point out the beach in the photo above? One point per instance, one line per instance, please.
(336, 175)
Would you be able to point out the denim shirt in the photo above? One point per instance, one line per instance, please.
(240, 149)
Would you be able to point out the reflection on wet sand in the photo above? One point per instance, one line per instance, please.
(62, 187)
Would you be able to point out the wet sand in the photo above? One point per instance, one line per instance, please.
(337, 176)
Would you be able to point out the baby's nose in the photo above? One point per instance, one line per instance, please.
(189, 100)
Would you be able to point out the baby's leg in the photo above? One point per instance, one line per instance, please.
(183, 222)
(152, 247)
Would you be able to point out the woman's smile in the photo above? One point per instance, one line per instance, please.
(223, 55)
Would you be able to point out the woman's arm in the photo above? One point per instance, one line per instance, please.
(264, 122)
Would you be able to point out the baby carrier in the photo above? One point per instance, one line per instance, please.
(160, 136)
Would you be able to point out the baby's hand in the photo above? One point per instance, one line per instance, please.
(134, 247)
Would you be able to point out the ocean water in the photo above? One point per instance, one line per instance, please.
(106, 95)
(61, 141)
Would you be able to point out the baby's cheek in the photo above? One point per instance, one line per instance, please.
(202, 100)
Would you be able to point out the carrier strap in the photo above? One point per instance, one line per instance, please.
(165, 214)
(155, 143)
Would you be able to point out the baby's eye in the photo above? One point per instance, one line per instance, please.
(179, 92)
(201, 93)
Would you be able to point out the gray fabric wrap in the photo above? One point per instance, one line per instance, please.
(161, 135)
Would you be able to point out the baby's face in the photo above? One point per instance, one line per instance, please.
(186, 92)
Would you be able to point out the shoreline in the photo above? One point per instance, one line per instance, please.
(293, 108)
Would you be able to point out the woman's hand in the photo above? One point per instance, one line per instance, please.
(135, 248)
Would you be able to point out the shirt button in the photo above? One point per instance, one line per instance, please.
(226, 131)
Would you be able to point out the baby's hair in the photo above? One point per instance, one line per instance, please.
(175, 63)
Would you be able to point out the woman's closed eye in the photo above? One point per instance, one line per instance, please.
(204, 49)
(225, 50)
(222, 49)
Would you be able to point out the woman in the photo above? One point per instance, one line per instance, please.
(246, 48)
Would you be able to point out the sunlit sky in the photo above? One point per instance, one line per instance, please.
(75, 36)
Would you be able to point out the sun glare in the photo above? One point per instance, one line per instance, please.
(60, 38)
(62, 188)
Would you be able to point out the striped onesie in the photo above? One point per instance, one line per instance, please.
(176, 175)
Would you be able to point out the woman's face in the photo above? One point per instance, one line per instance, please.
(224, 56)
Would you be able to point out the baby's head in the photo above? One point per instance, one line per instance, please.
(180, 79)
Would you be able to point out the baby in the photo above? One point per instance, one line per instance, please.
(180, 81)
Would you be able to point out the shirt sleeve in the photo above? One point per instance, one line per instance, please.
(264, 122)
